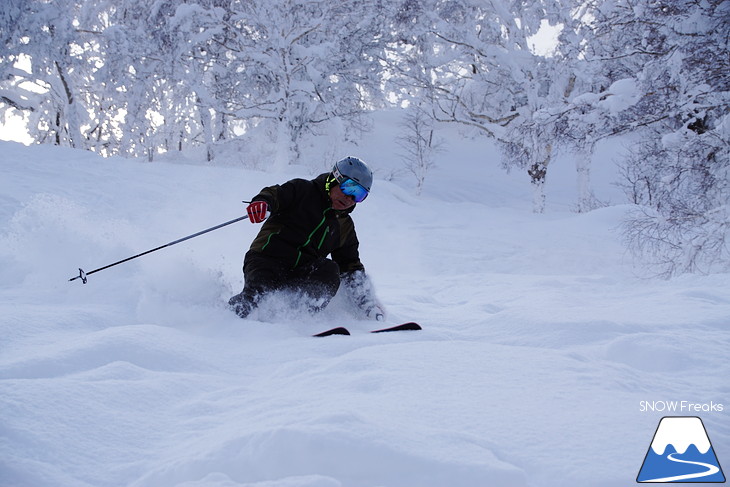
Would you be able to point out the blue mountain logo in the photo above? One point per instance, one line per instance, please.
(680, 452)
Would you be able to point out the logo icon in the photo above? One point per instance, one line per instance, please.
(680, 452)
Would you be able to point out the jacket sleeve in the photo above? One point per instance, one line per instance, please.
(268, 195)
(279, 196)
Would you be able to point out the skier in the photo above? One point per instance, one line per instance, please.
(309, 220)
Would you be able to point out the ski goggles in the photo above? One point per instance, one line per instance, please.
(352, 188)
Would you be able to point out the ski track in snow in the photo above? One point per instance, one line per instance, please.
(539, 342)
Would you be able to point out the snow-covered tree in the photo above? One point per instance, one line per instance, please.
(43, 35)
(280, 69)
(679, 170)
(135, 79)
(419, 144)
(475, 62)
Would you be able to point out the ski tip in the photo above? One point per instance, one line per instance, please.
(411, 325)
(334, 331)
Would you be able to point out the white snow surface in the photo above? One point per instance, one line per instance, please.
(539, 340)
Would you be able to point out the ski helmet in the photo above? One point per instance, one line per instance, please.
(353, 168)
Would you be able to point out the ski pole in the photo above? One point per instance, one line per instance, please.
(84, 275)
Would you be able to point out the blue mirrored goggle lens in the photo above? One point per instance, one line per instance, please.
(354, 189)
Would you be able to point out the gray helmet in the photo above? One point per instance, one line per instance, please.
(353, 168)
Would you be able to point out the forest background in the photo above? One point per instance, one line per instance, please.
(262, 83)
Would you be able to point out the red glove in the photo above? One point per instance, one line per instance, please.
(257, 211)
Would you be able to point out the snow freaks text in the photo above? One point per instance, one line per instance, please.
(680, 407)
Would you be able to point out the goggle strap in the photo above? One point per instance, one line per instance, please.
(338, 176)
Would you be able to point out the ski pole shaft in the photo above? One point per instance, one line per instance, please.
(83, 275)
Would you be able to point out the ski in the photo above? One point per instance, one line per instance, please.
(410, 326)
(334, 331)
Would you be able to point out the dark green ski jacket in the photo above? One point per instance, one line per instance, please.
(303, 226)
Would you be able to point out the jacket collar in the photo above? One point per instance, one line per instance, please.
(321, 182)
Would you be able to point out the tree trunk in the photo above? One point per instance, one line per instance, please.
(283, 153)
(72, 122)
(586, 200)
(538, 173)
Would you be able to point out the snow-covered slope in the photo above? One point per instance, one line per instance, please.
(539, 344)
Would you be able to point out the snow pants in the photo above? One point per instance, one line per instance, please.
(317, 282)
